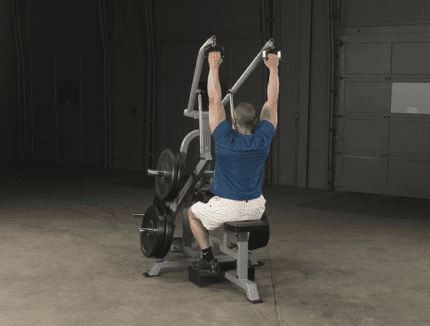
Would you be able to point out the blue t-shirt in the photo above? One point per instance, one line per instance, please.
(239, 161)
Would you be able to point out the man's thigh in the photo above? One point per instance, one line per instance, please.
(219, 210)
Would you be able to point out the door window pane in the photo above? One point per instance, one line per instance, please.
(412, 98)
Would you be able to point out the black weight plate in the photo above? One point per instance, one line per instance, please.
(165, 187)
(181, 168)
(170, 228)
(152, 242)
(158, 202)
(157, 252)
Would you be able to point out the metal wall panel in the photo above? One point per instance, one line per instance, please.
(42, 90)
(125, 135)
(402, 174)
(319, 97)
(305, 82)
(378, 150)
(289, 91)
(131, 19)
(359, 13)
(363, 134)
(287, 165)
(65, 73)
(41, 107)
(417, 141)
(65, 108)
(362, 173)
(365, 96)
(408, 58)
(9, 142)
(60, 22)
(130, 86)
(43, 118)
(366, 59)
(194, 17)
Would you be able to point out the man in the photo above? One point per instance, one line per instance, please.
(239, 166)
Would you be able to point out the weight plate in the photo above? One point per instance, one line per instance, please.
(181, 169)
(170, 228)
(158, 202)
(152, 242)
(166, 185)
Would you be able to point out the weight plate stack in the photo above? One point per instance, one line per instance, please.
(170, 229)
(158, 202)
(152, 242)
(167, 186)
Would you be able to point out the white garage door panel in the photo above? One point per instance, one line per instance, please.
(362, 171)
(365, 96)
(382, 120)
(366, 59)
(410, 138)
(363, 135)
(411, 58)
(410, 174)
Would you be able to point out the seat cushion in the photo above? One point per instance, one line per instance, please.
(247, 226)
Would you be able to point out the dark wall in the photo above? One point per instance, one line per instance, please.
(131, 87)
(63, 53)
(64, 70)
(8, 86)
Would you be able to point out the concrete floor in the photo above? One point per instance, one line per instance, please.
(70, 255)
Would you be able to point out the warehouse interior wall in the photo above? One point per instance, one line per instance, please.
(9, 142)
(105, 83)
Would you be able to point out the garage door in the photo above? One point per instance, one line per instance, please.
(382, 118)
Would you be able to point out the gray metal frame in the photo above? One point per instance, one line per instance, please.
(196, 181)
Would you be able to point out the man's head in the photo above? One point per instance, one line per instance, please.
(244, 118)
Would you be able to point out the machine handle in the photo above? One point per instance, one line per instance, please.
(271, 51)
(214, 48)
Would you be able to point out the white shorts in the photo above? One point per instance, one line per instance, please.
(219, 210)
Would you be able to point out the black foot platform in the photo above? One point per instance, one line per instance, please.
(204, 278)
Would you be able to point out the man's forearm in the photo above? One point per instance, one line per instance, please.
(214, 87)
(273, 87)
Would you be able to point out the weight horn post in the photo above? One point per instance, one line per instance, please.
(155, 173)
(141, 230)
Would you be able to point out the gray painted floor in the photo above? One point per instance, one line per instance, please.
(70, 255)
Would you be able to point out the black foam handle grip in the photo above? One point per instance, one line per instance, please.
(216, 48)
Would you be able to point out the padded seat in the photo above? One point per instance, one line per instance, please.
(247, 226)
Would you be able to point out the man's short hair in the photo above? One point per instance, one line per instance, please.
(245, 115)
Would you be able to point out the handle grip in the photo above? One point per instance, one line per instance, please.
(271, 51)
(214, 48)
